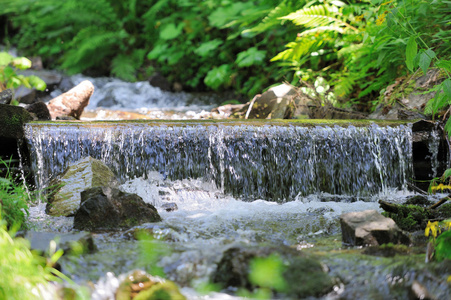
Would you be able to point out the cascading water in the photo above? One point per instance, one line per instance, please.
(249, 162)
(207, 168)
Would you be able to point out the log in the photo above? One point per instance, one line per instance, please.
(72, 102)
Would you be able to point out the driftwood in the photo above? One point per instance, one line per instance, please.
(72, 102)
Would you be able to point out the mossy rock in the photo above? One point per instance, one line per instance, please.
(139, 285)
(305, 277)
(12, 119)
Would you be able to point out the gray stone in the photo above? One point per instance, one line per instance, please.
(370, 228)
(109, 208)
(25, 95)
(66, 241)
(6, 96)
(39, 111)
(64, 199)
(280, 102)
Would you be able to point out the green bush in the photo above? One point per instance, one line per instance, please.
(13, 200)
(10, 79)
(23, 275)
(215, 43)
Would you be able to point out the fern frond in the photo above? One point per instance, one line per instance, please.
(345, 85)
(271, 19)
(298, 49)
(318, 16)
(125, 66)
(320, 29)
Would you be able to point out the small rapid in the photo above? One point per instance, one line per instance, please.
(247, 161)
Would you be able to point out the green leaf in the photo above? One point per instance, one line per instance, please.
(447, 88)
(5, 58)
(250, 57)
(411, 52)
(446, 174)
(158, 50)
(171, 31)
(444, 64)
(425, 60)
(443, 246)
(22, 63)
(205, 48)
(219, 76)
(37, 82)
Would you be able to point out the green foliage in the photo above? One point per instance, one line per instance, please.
(213, 44)
(443, 246)
(10, 79)
(13, 200)
(150, 252)
(24, 275)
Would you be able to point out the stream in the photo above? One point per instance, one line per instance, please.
(234, 183)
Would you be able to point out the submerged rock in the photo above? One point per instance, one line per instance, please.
(370, 228)
(81, 242)
(300, 276)
(110, 208)
(88, 172)
(140, 285)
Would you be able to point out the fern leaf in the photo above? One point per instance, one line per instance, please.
(344, 86)
(317, 16)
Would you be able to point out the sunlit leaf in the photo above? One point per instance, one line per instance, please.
(411, 52)
(170, 31)
(5, 58)
(250, 57)
(218, 76)
(22, 63)
(206, 48)
(37, 83)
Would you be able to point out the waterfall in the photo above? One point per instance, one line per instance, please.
(271, 162)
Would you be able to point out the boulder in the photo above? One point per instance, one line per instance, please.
(64, 197)
(301, 276)
(140, 285)
(280, 102)
(12, 119)
(72, 102)
(159, 81)
(370, 228)
(25, 95)
(39, 111)
(109, 208)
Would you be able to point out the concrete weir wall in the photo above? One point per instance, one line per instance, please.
(430, 150)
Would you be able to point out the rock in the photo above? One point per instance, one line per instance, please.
(140, 285)
(370, 228)
(159, 81)
(169, 206)
(280, 102)
(25, 95)
(330, 112)
(81, 242)
(233, 270)
(64, 199)
(110, 208)
(409, 96)
(72, 102)
(39, 111)
(227, 110)
(6, 96)
(12, 119)
(51, 78)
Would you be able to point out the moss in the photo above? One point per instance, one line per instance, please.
(253, 122)
(410, 217)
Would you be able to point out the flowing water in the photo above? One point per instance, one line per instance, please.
(236, 184)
